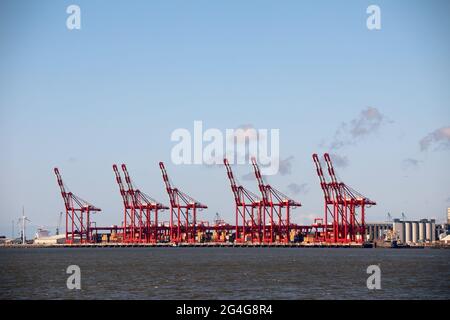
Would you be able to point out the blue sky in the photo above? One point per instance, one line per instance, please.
(114, 91)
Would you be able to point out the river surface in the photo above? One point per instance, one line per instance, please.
(224, 273)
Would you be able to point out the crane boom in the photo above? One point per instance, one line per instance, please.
(64, 194)
(330, 168)
(323, 182)
(337, 187)
(169, 188)
(127, 177)
(234, 187)
(261, 185)
(122, 190)
(131, 190)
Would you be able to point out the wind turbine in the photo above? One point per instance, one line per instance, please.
(23, 220)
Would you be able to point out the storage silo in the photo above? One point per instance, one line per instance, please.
(422, 231)
(407, 232)
(428, 231)
(399, 229)
(415, 231)
(433, 230)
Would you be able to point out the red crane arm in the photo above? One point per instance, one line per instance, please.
(69, 197)
(323, 182)
(234, 187)
(331, 172)
(169, 188)
(127, 178)
(133, 194)
(261, 185)
(337, 187)
(138, 197)
(64, 194)
(123, 193)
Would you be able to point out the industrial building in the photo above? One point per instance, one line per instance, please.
(264, 218)
(50, 240)
(407, 232)
(377, 230)
(422, 231)
(448, 215)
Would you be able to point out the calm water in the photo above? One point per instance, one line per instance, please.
(224, 273)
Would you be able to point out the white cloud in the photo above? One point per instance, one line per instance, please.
(367, 123)
(440, 138)
(410, 163)
(298, 188)
(286, 166)
(339, 161)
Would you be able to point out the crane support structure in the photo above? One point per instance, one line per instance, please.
(344, 207)
(329, 207)
(140, 222)
(276, 211)
(263, 218)
(183, 224)
(78, 222)
(248, 211)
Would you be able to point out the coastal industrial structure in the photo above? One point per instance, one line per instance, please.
(448, 215)
(344, 218)
(408, 232)
(376, 231)
(259, 219)
(263, 218)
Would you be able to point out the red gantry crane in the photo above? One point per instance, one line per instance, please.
(140, 212)
(77, 215)
(247, 223)
(128, 207)
(276, 205)
(347, 210)
(181, 205)
(329, 204)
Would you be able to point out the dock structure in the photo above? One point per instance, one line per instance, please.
(264, 220)
(194, 245)
(344, 216)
